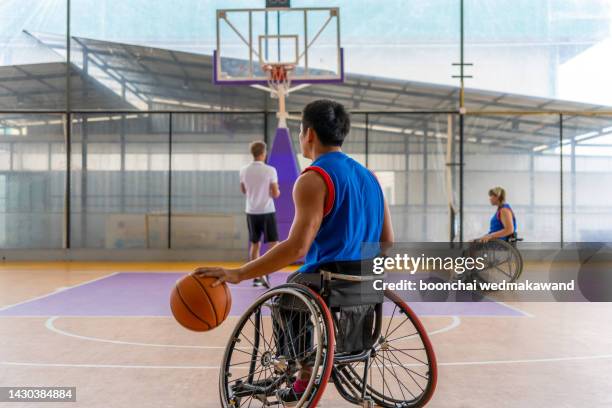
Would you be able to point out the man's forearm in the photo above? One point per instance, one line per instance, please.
(280, 256)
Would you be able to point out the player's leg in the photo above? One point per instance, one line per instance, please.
(254, 250)
(270, 235)
(256, 229)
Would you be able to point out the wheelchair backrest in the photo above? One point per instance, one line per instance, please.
(347, 288)
(349, 283)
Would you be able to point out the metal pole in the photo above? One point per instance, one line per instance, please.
(306, 42)
(561, 177)
(68, 139)
(84, 184)
(122, 152)
(265, 130)
(170, 181)
(425, 183)
(68, 132)
(250, 44)
(266, 28)
(278, 31)
(461, 118)
(573, 187)
(367, 139)
(461, 62)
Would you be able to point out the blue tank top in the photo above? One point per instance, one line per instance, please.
(353, 213)
(496, 223)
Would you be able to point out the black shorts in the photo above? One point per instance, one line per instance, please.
(262, 224)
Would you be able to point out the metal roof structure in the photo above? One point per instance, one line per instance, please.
(116, 76)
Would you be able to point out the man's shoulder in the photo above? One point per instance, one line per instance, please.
(246, 167)
(270, 169)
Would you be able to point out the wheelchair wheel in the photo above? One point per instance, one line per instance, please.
(402, 368)
(503, 262)
(287, 327)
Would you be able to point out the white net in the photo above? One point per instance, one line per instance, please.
(279, 76)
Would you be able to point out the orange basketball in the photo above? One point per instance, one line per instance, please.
(198, 306)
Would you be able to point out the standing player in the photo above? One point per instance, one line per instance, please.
(259, 182)
(338, 206)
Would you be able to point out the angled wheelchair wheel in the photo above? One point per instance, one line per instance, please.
(402, 367)
(503, 262)
(286, 328)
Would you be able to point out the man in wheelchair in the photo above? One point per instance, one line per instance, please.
(339, 205)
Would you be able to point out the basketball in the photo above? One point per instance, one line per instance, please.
(198, 306)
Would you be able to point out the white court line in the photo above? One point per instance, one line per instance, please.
(421, 316)
(49, 324)
(15, 363)
(516, 309)
(459, 363)
(63, 289)
(531, 360)
(454, 324)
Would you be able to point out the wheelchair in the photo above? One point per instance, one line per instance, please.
(503, 261)
(369, 343)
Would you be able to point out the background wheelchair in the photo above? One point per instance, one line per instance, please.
(369, 343)
(503, 261)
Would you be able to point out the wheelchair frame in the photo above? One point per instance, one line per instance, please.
(352, 385)
(510, 246)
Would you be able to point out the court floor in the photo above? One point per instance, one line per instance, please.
(106, 329)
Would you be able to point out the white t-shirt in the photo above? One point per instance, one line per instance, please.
(257, 178)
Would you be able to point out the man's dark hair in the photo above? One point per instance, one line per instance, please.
(329, 120)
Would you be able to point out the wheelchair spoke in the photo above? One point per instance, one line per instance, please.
(405, 367)
(398, 326)
(391, 320)
(258, 332)
(241, 363)
(250, 399)
(401, 384)
(409, 355)
(382, 373)
(250, 374)
(410, 372)
(242, 351)
(247, 339)
(416, 333)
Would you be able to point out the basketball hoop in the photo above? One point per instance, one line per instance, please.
(278, 62)
(279, 81)
(279, 76)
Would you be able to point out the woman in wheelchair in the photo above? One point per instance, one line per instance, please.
(503, 223)
(503, 260)
(339, 205)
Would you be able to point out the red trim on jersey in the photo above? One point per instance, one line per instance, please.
(331, 192)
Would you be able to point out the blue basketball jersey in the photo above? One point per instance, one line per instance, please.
(353, 213)
(496, 223)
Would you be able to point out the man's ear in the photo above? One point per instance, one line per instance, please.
(310, 135)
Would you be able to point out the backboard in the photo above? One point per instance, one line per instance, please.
(307, 38)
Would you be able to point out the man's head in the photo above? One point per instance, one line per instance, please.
(258, 150)
(324, 126)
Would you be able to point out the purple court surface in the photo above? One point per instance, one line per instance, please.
(147, 294)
